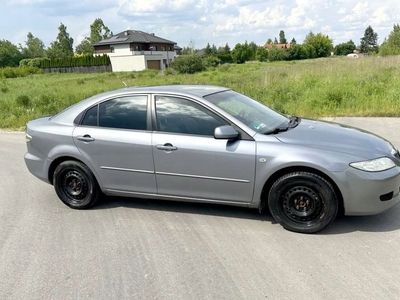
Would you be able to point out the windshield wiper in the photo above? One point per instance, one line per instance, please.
(277, 130)
(293, 121)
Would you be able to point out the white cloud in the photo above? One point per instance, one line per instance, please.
(218, 22)
(380, 16)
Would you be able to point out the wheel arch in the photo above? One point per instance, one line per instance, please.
(60, 160)
(275, 176)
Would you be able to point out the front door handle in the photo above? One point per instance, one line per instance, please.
(166, 147)
(85, 138)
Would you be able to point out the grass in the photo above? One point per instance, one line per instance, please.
(312, 88)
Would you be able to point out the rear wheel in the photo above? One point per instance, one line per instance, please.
(76, 185)
(303, 202)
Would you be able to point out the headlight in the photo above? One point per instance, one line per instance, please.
(374, 165)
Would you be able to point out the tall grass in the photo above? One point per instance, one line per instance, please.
(311, 88)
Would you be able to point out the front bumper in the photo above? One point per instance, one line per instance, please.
(368, 193)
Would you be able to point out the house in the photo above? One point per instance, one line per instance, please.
(134, 50)
(279, 46)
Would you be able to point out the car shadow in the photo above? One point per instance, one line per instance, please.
(384, 222)
(110, 202)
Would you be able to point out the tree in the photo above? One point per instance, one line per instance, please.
(227, 49)
(241, 53)
(207, 49)
(63, 46)
(99, 31)
(282, 38)
(9, 54)
(224, 54)
(391, 46)
(275, 54)
(34, 47)
(214, 50)
(262, 54)
(296, 52)
(224, 50)
(275, 41)
(369, 42)
(85, 47)
(309, 36)
(309, 51)
(322, 44)
(269, 41)
(345, 48)
(293, 42)
(253, 49)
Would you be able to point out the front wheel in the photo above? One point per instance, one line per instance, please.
(303, 202)
(76, 185)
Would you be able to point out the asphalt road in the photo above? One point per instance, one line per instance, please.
(144, 249)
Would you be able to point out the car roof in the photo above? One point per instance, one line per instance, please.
(194, 90)
(71, 112)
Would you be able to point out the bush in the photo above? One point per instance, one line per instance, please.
(23, 100)
(276, 54)
(33, 62)
(70, 62)
(225, 58)
(188, 64)
(241, 53)
(211, 61)
(262, 54)
(24, 71)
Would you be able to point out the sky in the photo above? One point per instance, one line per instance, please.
(200, 21)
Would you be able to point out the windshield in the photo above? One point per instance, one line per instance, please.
(252, 113)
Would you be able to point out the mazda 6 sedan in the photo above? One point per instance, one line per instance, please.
(212, 144)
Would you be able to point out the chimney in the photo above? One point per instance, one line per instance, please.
(152, 33)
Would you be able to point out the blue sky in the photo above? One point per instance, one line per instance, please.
(200, 21)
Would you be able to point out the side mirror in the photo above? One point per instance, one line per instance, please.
(226, 132)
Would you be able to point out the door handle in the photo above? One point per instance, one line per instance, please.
(85, 138)
(166, 147)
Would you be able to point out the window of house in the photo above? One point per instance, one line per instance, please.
(183, 116)
(154, 48)
(126, 113)
(112, 49)
(162, 48)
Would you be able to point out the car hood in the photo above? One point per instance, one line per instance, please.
(336, 137)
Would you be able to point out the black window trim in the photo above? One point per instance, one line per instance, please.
(243, 135)
(79, 118)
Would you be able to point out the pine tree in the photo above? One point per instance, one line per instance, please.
(369, 42)
(282, 38)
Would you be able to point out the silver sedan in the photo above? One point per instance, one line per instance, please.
(212, 144)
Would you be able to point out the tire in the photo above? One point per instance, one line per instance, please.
(76, 185)
(303, 202)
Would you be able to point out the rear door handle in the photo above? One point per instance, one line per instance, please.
(85, 138)
(166, 147)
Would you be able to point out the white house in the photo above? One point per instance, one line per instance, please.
(134, 50)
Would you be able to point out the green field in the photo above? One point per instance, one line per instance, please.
(311, 88)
